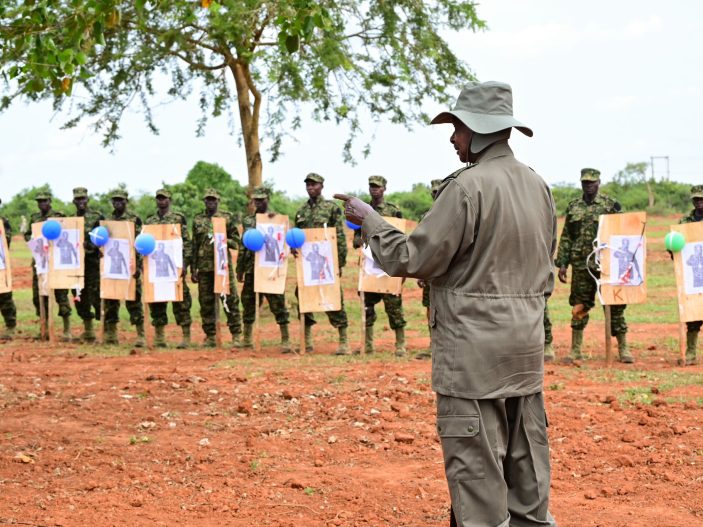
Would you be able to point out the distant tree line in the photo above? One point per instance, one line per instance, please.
(631, 187)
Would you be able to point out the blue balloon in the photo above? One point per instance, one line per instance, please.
(353, 226)
(99, 236)
(145, 244)
(51, 230)
(295, 238)
(253, 240)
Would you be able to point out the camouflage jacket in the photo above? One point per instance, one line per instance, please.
(245, 258)
(203, 257)
(691, 218)
(91, 219)
(384, 209)
(178, 219)
(38, 217)
(8, 229)
(581, 229)
(314, 214)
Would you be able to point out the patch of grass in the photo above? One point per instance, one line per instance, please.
(134, 440)
(309, 491)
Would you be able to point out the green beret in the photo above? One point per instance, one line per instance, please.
(80, 192)
(42, 195)
(317, 178)
(697, 191)
(379, 181)
(260, 192)
(435, 184)
(211, 193)
(119, 193)
(590, 174)
(163, 192)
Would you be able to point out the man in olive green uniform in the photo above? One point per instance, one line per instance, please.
(316, 213)
(120, 200)
(392, 303)
(7, 304)
(490, 261)
(88, 304)
(181, 310)
(245, 275)
(575, 244)
(423, 355)
(61, 295)
(202, 270)
(693, 328)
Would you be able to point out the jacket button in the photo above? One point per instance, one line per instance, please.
(471, 429)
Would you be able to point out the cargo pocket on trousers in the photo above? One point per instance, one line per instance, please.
(462, 446)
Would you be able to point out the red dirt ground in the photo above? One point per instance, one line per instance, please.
(244, 438)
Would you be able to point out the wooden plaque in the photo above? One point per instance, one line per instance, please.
(271, 262)
(114, 288)
(373, 282)
(623, 234)
(219, 230)
(691, 301)
(5, 264)
(154, 289)
(64, 251)
(318, 272)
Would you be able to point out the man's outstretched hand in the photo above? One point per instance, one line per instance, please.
(354, 209)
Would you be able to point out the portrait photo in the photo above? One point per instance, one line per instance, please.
(67, 254)
(272, 254)
(163, 262)
(692, 261)
(220, 254)
(117, 259)
(40, 253)
(318, 267)
(627, 260)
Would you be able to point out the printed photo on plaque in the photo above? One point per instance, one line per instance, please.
(66, 253)
(3, 256)
(40, 253)
(163, 262)
(318, 266)
(692, 259)
(220, 254)
(370, 265)
(272, 254)
(626, 260)
(117, 259)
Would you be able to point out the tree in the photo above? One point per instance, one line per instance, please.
(344, 60)
(636, 173)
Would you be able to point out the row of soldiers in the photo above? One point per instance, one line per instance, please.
(198, 250)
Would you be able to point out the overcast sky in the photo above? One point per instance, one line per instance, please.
(600, 83)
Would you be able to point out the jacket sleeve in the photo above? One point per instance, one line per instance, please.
(8, 230)
(234, 240)
(445, 231)
(196, 248)
(565, 243)
(241, 255)
(187, 242)
(336, 218)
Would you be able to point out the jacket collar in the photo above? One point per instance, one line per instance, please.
(499, 149)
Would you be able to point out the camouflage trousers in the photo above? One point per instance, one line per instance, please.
(393, 305)
(548, 338)
(277, 303)
(61, 296)
(209, 303)
(426, 296)
(8, 309)
(134, 307)
(181, 310)
(583, 293)
(88, 307)
(338, 319)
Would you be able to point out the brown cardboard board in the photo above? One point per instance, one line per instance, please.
(269, 273)
(111, 288)
(318, 272)
(156, 290)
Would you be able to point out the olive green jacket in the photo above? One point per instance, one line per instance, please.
(487, 246)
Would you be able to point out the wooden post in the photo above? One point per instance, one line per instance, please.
(301, 316)
(257, 316)
(682, 343)
(50, 317)
(43, 320)
(362, 349)
(218, 331)
(147, 325)
(608, 338)
(102, 321)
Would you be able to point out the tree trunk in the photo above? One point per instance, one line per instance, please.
(650, 194)
(249, 118)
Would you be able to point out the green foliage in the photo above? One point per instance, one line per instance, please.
(413, 204)
(346, 59)
(23, 204)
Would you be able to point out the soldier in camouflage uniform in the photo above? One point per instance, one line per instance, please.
(181, 310)
(202, 269)
(392, 303)
(245, 275)
(693, 328)
(315, 213)
(61, 295)
(575, 244)
(120, 199)
(434, 188)
(7, 304)
(90, 294)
